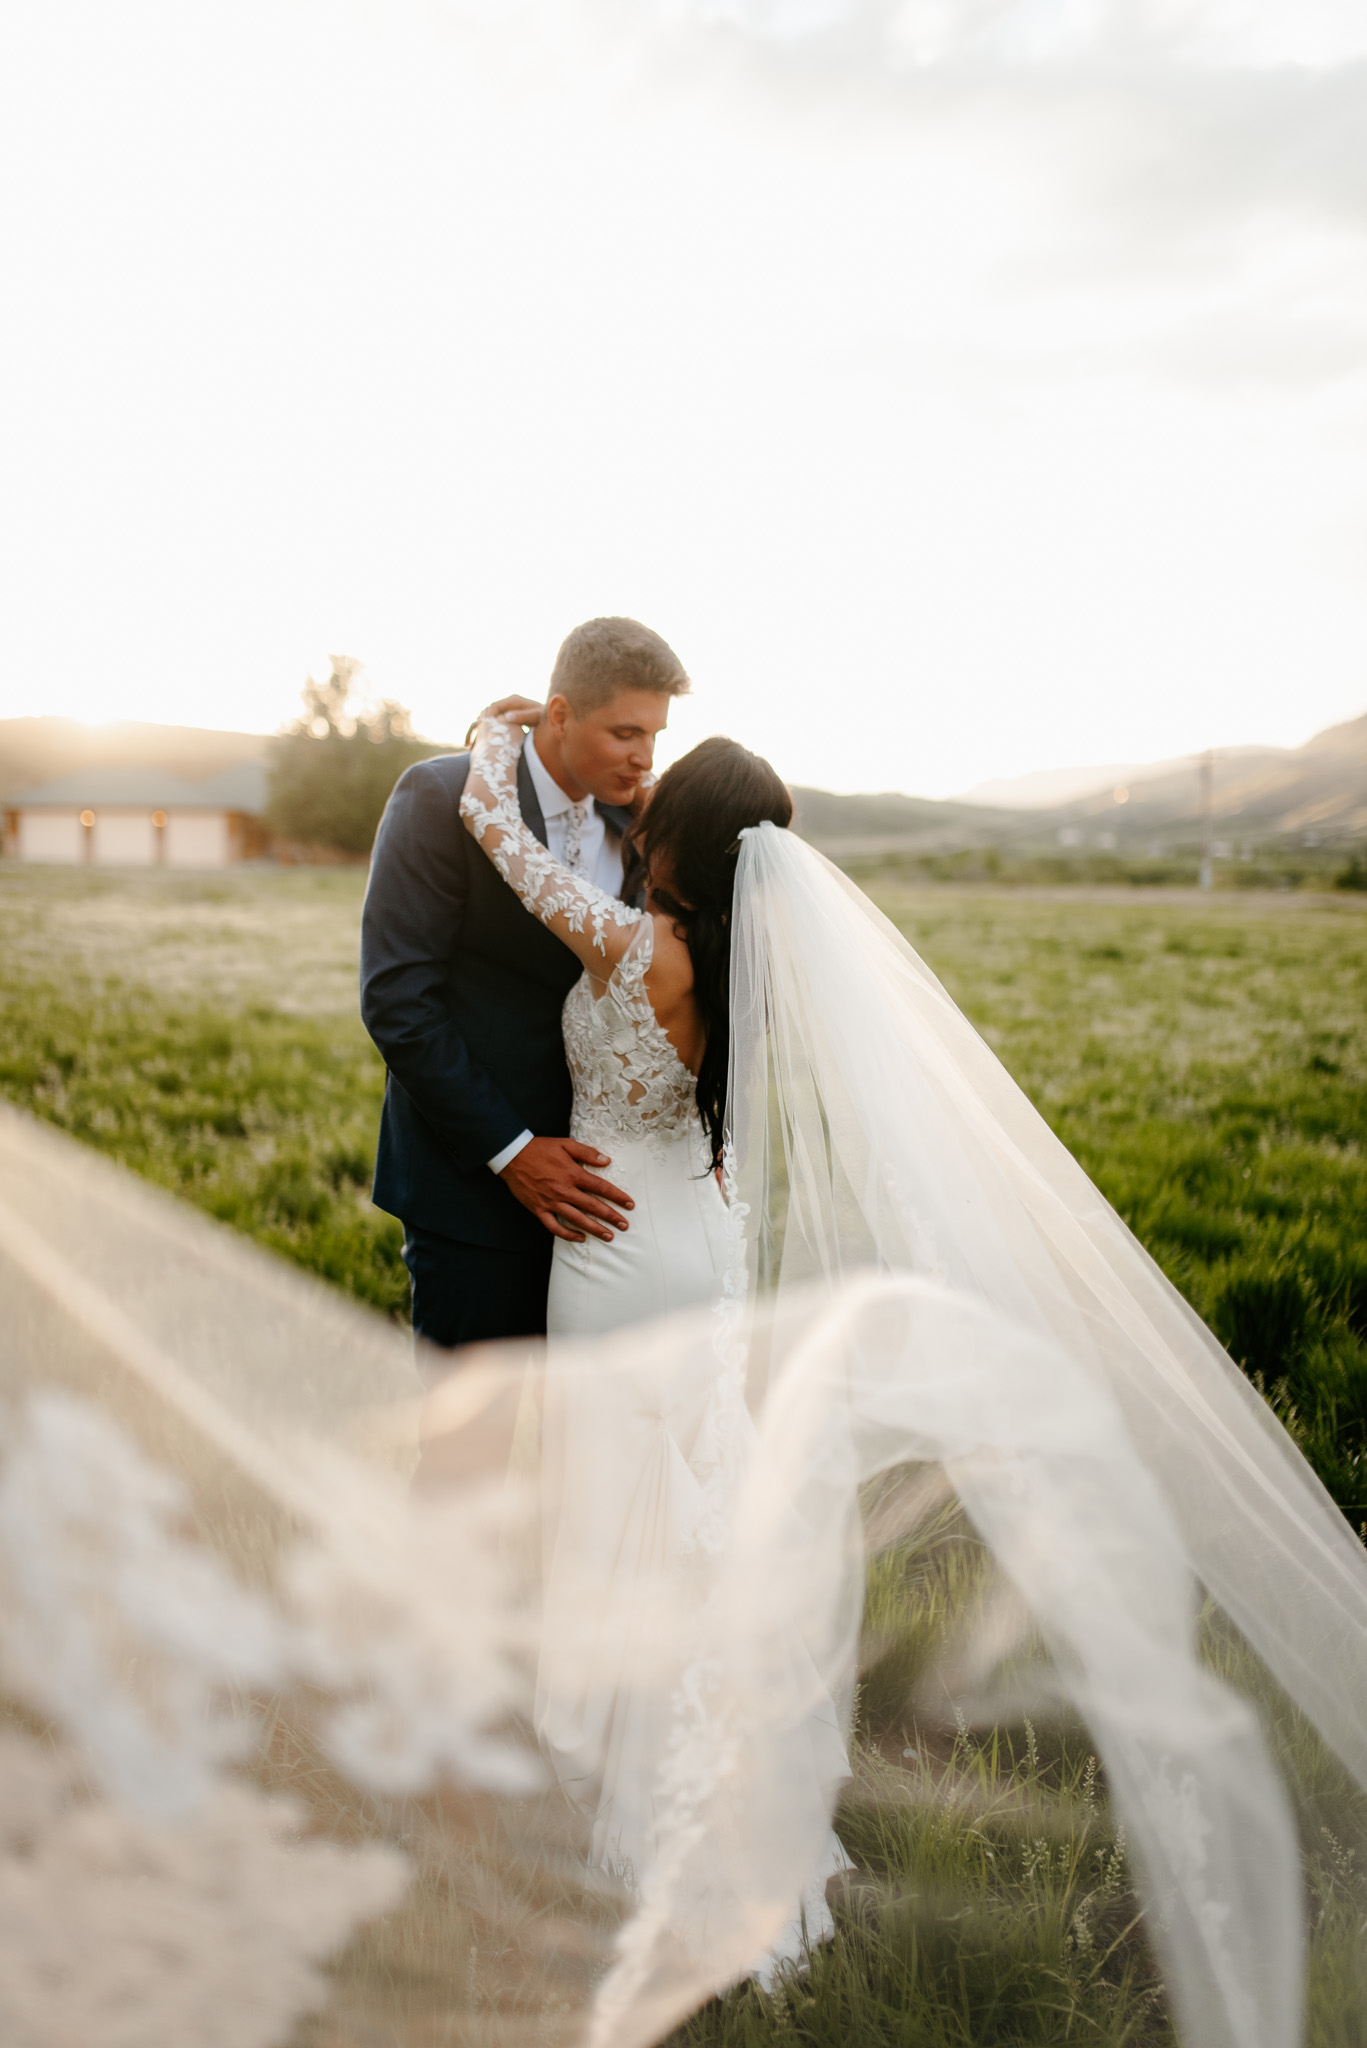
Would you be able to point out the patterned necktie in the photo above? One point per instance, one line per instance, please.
(576, 817)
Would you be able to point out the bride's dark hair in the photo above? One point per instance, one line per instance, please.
(690, 832)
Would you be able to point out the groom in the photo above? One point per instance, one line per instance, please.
(461, 990)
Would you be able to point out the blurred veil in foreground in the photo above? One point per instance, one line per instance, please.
(329, 1696)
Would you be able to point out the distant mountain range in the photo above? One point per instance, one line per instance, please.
(1314, 794)
(1319, 789)
(1311, 794)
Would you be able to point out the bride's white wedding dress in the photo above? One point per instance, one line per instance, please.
(634, 1100)
(629, 1474)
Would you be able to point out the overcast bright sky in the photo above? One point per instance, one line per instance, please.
(963, 386)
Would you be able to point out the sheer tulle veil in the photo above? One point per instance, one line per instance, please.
(1107, 1449)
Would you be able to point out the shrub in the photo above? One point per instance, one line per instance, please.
(332, 772)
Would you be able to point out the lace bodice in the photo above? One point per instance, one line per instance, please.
(629, 1082)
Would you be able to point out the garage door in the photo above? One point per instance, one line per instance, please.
(124, 839)
(197, 839)
(51, 835)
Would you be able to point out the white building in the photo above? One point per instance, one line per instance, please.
(140, 817)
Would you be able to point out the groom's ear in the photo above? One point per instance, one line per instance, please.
(559, 712)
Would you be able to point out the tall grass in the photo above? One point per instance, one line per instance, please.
(1207, 1064)
(206, 1034)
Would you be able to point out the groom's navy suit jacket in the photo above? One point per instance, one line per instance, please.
(461, 990)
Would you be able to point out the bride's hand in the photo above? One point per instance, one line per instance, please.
(513, 710)
(526, 711)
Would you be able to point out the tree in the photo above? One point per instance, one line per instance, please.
(332, 771)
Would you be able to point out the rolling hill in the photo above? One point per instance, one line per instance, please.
(34, 750)
(1318, 790)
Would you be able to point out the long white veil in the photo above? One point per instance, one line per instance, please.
(871, 1127)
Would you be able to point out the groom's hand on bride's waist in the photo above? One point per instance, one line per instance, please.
(553, 1177)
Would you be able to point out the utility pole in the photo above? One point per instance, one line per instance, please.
(1207, 818)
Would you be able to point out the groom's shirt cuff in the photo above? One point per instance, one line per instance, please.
(509, 1153)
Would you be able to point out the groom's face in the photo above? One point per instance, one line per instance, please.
(607, 751)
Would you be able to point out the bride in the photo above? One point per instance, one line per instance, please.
(762, 1025)
(646, 1038)
(646, 1026)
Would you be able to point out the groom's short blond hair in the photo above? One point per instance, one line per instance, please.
(603, 657)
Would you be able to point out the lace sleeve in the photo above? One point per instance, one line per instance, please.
(595, 926)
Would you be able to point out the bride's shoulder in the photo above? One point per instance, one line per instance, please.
(670, 972)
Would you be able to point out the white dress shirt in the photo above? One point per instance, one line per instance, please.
(600, 860)
(600, 850)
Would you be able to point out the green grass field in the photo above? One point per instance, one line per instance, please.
(206, 1033)
(1207, 1062)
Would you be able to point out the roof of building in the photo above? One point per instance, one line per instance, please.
(236, 789)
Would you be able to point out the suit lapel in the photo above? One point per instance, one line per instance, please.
(527, 800)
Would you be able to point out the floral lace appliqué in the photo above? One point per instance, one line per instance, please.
(629, 1083)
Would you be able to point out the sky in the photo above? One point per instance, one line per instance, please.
(963, 387)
